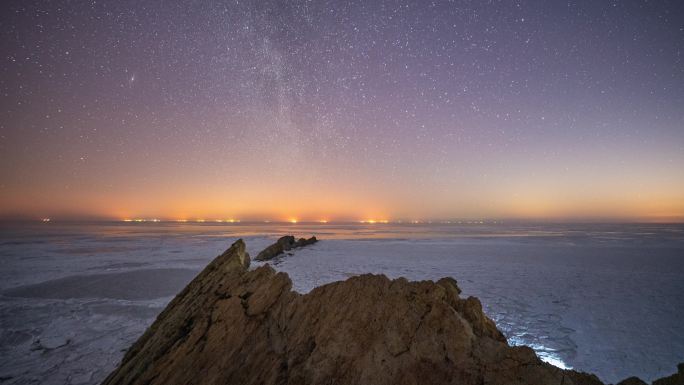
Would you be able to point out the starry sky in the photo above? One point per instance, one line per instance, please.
(342, 110)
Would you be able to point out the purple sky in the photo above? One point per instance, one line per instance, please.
(342, 109)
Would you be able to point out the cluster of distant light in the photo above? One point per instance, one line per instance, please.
(181, 220)
(321, 221)
(294, 221)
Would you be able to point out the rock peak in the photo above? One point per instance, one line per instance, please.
(234, 258)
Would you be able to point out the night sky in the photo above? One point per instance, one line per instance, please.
(342, 110)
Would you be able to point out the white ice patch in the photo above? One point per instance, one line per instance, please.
(554, 360)
(546, 354)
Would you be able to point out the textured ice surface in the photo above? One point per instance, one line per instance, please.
(600, 298)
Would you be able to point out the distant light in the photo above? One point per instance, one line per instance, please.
(293, 221)
(139, 220)
(323, 221)
(45, 219)
(219, 220)
(181, 220)
(200, 220)
(155, 220)
(125, 220)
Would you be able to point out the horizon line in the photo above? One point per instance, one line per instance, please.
(293, 221)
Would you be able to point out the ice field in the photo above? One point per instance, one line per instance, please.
(600, 298)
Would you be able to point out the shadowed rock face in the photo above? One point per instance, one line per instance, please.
(675, 379)
(234, 326)
(283, 244)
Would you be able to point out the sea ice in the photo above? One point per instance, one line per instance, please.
(599, 298)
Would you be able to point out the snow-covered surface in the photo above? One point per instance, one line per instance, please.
(606, 299)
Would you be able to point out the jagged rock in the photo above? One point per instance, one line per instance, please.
(234, 326)
(283, 244)
(675, 379)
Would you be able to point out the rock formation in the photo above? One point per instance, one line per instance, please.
(675, 379)
(232, 325)
(283, 244)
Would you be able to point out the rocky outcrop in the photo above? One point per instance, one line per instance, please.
(283, 244)
(675, 379)
(231, 325)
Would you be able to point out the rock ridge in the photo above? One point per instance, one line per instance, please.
(232, 325)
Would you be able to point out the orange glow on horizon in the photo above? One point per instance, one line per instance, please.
(374, 221)
(657, 197)
(526, 203)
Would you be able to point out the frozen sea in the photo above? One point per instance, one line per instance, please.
(601, 298)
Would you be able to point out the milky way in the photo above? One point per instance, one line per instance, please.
(342, 109)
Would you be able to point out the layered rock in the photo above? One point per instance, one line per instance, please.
(235, 326)
(283, 244)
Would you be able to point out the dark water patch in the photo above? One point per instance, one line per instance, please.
(121, 265)
(129, 311)
(41, 257)
(95, 250)
(32, 241)
(130, 285)
(14, 337)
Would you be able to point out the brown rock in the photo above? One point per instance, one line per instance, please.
(283, 244)
(233, 326)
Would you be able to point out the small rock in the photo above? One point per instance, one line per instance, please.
(283, 244)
